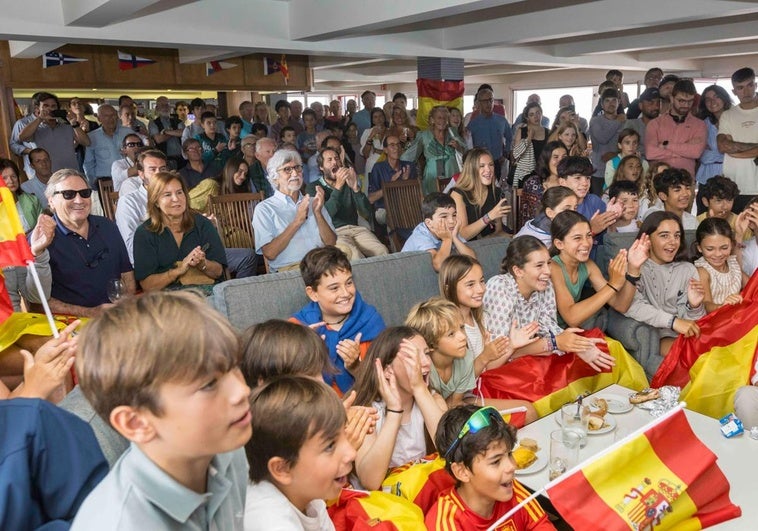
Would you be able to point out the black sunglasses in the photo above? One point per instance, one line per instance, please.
(133, 144)
(68, 195)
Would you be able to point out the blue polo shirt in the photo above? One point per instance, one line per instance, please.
(491, 132)
(49, 463)
(81, 268)
(382, 173)
(422, 239)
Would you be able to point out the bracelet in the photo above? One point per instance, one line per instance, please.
(690, 307)
(398, 411)
(553, 342)
(612, 287)
(673, 320)
(632, 280)
(486, 219)
(205, 266)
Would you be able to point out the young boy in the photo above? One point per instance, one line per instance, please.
(183, 404)
(674, 189)
(287, 135)
(480, 462)
(233, 126)
(438, 233)
(575, 173)
(717, 196)
(626, 193)
(337, 312)
(440, 323)
(212, 143)
(299, 455)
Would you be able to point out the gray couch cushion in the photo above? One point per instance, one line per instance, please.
(490, 252)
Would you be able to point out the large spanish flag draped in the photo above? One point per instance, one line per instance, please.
(421, 483)
(664, 478)
(433, 92)
(711, 367)
(358, 510)
(551, 381)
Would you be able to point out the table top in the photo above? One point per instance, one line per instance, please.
(737, 457)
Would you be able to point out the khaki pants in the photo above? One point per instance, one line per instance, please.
(359, 242)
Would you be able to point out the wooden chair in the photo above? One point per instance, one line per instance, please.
(234, 218)
(110, 209)
(516, 216)
(104, 187)
(442, 183)
(402, 199)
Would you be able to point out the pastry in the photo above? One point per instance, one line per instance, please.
(531, 444)
(523, 457)
(595, 423)
(644, 396)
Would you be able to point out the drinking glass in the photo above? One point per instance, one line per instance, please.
(575, 420)
(562, 456)
(115, 290)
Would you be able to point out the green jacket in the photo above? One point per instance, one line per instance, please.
(344, 205)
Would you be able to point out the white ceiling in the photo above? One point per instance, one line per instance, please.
(354, 43)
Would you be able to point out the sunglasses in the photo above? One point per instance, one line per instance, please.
(68, 195)
(133, 144)
(480, 419)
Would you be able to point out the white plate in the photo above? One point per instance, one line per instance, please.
(616, 403)
(535, 467)
(609, 426)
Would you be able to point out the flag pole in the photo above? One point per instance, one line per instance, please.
(30, 267)
(588, 461)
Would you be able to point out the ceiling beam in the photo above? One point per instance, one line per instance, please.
(701, 52)
(101, 13)
(31, 49)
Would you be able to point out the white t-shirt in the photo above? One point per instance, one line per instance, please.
(750, 257)
(742, 125)
(266, 508)
(410, 444)
(475, 339)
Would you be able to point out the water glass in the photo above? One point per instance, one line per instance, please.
(575, 420)
(115, 290)
(562, 456)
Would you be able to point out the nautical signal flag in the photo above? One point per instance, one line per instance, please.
(433, 93)
(711, 367)
(129, 61)
(51, 59)
(14, 249)
(217, 66)
(551, 381)
(662, 478)
(272, 66)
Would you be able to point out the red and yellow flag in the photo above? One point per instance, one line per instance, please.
(710, 368)
(551, 381)
(421, 483)
(14, 249)
(432, 93)
(357, 510)
(664, 478)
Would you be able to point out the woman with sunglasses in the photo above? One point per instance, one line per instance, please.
(176, 245)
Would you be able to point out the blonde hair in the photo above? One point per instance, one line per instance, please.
(577, 150)
(156, 218)
(469, 183)
(129, 351)
(434, 317)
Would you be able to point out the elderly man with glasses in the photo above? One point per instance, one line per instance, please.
(289, 224)
(86, 251)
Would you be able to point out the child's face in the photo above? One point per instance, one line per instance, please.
(289, 137)
(569, 203)
(309, 121)
(443, 218)
(490, 478)
(718, 207)
(579, 183)
(677, 199)
(556, 157)
(453, 343)
(631, 204)
(632, 170)
(235, 130)
(568, 136)
(716, 249)
(535, 275)
(470, 288)
(629, 145)
(322, 469)
(209, 126)
(203, 418)
(577, 244)
(665, 241)
(335, 294)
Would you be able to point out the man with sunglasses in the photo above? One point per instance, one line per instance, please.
(105, 146)
(86, 251)
(126, 167)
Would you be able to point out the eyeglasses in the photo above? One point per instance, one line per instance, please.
(133, 144)
(193, 148)
(68, 195)
(290, 170)
(479, 420)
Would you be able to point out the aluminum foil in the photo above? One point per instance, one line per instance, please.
(668, 399)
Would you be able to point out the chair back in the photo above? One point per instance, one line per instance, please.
(234, 218)
(402, 200)
(111, 201)
(516, 214)
(104, 187)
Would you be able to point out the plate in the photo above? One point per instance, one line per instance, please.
(609, 426)
(616, 403)
(535, 467)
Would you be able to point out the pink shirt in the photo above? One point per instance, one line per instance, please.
(686, 141)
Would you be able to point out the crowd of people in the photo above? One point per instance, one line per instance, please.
(199, 426)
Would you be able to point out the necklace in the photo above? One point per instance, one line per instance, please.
(337, 322)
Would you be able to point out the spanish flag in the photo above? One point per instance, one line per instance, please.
(711, 367)
(433, 93)
(662, 478)
(421, 483)
(14, 249)
(551, 381)
(358, 510)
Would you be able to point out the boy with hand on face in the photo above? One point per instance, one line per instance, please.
(438, 233)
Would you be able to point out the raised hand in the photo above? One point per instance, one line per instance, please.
(388, 389)
(46, 370)
(43, 234)
(638, 254)
(617, 270)
(350, 352)
(527, 334)
(318, 201)
(695, 293)
(599, 222)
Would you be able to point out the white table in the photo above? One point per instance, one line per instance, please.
(737, 457)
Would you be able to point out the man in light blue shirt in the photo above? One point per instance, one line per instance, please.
(287, 225)
(363, 118)
(490, 130)
(105, 145)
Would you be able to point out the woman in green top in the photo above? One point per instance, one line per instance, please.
(439, 145)
(28, 206)
(572, 267)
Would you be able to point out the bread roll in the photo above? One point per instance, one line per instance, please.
(523, 457)
(531, 444)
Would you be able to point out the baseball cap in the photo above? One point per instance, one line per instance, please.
(650, 94)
